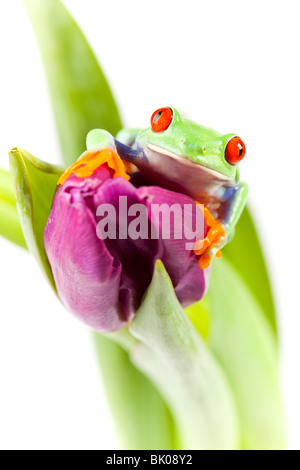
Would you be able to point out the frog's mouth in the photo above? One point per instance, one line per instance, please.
(187, 162)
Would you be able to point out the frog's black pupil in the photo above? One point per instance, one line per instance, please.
(157, 116)
(241, 150)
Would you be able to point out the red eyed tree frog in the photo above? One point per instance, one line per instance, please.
(180, 155)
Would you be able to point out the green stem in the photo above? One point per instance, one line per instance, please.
(141, 417)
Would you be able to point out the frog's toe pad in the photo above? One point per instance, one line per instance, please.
(99, 139)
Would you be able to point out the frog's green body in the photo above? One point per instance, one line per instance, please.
(187, 158)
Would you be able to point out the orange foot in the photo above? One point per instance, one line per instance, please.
(216, 233)
(91, 161)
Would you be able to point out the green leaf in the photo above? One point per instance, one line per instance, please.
(246, 255)
(10, 227)
(80, 95)
(141, 417)
(242, 340)
(199, 314)
(177, 360)
(7, 192)
(35, 184)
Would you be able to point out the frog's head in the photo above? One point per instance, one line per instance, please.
(177, 137)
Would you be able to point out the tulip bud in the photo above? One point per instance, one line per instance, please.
(103, 237)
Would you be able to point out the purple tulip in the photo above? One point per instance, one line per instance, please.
(102, 281)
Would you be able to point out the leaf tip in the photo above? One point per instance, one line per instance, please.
(16, 153)
(14, 150)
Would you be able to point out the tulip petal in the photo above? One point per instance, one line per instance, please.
(35, 185)
(190, 282)
(86, 275)
(136, 256)
(177, 360)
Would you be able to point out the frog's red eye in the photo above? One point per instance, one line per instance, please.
(161, 119)
(235, 151)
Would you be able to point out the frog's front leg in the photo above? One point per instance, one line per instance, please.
(221, 231)
(235, 206)
(101, 149)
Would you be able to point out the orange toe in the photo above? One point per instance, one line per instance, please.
(204, 261)
(214, 236)
(91, 161)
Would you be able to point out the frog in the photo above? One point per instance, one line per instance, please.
(180, 155)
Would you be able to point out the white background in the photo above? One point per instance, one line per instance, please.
(233, 66)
